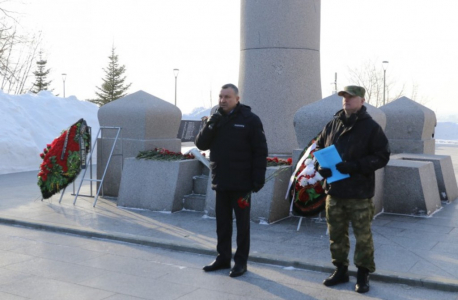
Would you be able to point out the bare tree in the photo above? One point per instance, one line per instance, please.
(370, 76)
(17, 53)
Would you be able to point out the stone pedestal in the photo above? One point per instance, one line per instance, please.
(410, 127)
(157, 185)
(279, 64)
(147, 122)
(443, 167)
(410, 188)
(268, 205)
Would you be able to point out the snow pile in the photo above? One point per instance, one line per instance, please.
(29, 122)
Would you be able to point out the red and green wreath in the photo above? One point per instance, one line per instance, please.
(64, 158)
(306, 192)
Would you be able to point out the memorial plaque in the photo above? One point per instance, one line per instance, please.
(188, 130)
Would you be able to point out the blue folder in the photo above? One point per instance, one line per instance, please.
(329, 158)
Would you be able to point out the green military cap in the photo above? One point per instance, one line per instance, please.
(353, 90)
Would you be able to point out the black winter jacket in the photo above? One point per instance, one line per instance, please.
(238, 150)
(357, 139)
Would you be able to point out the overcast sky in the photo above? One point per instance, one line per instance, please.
(201, 38)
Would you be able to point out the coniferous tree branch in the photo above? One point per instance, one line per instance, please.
(113, 86)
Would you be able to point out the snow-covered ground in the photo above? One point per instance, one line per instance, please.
(28, 122)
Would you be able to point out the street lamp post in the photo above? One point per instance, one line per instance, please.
(64, 76)
(385, 65)
(175, 73)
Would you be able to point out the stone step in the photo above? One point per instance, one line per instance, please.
(194, 202)
(200, 184)
(205, 171)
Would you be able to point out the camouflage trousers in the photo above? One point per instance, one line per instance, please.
(360, 212)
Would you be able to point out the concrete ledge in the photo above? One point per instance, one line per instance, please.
(445, 175)
(157, 185)
(410, 187)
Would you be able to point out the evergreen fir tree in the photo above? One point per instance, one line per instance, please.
(40, 83)
(113, 86)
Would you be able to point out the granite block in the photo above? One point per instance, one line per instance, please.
(269, 204)
(443, 167)
(156, 185)
(410, 126)
(142, 117)
(200, 184)
(412, 146)
(410, 187)
(194, 202)
(124, 148)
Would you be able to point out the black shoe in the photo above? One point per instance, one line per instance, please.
(217, 265)
(340, 275)
(237, 270)
(362, 281)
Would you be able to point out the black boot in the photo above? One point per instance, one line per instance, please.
(362, 281)
(340, 275)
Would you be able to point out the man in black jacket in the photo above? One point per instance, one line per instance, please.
(364, 148)
(238, 152)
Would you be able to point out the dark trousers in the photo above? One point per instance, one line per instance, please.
(226, 202)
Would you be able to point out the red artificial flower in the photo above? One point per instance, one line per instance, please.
(42, 155)
(290, 161)
(318, 188)
(242, 202)
(303, 195)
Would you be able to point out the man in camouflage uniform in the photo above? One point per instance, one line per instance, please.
(364, 148)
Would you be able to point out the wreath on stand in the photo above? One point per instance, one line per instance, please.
(306, 192)
(64, 158)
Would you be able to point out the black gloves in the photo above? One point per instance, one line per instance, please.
(257, 187)
(347, 167)
(324, 172)
(214, 119)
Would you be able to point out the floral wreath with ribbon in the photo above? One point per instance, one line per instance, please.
(306, 191)
(64, 158)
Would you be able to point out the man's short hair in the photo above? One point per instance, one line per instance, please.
(231, 86)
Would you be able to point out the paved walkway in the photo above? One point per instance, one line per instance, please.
(410, 250)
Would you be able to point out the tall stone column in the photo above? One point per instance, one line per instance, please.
(279, 64)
